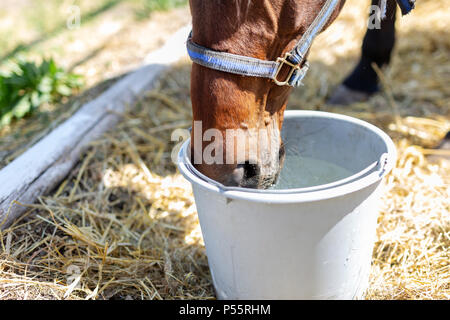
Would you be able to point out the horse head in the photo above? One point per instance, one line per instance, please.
(238, 119)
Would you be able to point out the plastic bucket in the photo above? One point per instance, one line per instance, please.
(310, 243)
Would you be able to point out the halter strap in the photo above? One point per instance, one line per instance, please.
(252, 67)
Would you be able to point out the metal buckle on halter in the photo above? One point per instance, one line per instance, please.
(284, 61)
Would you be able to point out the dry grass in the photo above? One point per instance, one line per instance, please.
(117, 48)
(122, 228)
(123, 224)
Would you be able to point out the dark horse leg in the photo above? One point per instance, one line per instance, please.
(377, 47)
(363, 80)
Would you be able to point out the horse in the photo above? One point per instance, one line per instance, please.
(377, 46)
(247, 57)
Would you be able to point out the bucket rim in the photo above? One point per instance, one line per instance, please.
(309, 194)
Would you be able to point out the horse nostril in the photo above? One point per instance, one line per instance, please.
(237, 176)
(245, 175)
(250, 170)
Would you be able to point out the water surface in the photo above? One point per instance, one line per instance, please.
(303, 172)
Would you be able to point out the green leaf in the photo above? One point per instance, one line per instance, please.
(63, 90)
(22, 108)
(35, 100)
(46, 85)
(6, 119)
(30, 85)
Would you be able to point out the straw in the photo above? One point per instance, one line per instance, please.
(123, 224)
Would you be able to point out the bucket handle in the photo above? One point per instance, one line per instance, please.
(380, 166)
(382, 163)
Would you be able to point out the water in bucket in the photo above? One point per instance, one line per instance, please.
(303, 172)
(319, 241)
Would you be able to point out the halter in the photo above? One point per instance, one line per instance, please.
(252, 67)
(295, 59)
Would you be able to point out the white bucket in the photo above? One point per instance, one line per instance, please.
(310, 243)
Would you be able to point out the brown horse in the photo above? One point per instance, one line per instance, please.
(263, 29)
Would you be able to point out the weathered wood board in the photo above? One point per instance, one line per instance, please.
(42, 167)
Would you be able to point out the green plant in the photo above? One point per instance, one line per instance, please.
(29, 86)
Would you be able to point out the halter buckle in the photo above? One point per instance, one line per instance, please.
(283, 61)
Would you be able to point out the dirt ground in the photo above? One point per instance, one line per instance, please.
(102, 50)
(123, 225)
(109, 41)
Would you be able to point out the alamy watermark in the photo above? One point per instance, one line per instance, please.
(74, 19)
(376, 14)
(252, 146)
(73, 276)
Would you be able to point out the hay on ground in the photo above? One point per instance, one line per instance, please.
(123, 224)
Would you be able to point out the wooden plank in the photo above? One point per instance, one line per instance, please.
(42, 167)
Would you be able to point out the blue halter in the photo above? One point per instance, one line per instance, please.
(295, 59)
(406, 5)
(247, 66)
